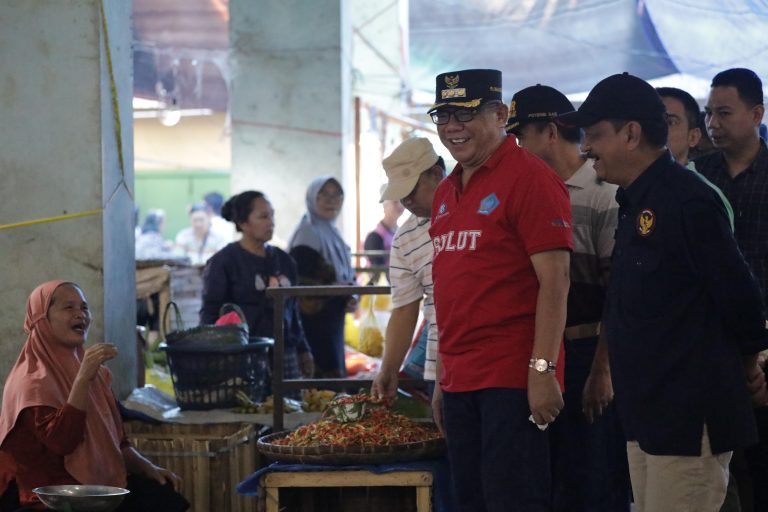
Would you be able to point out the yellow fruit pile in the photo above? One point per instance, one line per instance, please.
(248, 406)
(315, 400)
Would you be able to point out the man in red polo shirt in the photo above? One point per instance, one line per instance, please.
(501, 232)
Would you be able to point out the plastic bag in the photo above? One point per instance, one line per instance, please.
(371, 338)
(159, 377)
(381, 301)
(417, 355)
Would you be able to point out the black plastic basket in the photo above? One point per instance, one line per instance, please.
(209, 377)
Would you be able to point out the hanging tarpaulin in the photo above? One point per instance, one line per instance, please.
(569, 44)
(703, 37)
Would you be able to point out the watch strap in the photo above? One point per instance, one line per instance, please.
(550, 365)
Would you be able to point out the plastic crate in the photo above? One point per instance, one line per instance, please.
(209, 377)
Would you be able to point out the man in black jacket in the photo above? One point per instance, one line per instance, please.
(684, 316)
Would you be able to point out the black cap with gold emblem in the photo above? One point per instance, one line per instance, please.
(469, 88)
(536, 103)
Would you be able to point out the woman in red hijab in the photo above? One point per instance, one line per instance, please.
(59, 422)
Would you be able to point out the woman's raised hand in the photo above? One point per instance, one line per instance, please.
(89, 367)
(94, 357)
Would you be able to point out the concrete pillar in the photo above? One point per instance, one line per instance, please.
(291, 103)
(66, 162)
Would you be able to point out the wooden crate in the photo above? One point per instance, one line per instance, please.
(211, 459)
(420, 481)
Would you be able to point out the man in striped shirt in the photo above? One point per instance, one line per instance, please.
(414, 171)
(588, 448)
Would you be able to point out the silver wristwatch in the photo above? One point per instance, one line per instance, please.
(541, 365)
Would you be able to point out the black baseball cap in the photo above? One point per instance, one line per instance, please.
(536, 103)
(622, 96)
(468, 88)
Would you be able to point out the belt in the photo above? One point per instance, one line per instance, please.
(576, 332)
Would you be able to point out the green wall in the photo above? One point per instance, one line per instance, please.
(175, 192)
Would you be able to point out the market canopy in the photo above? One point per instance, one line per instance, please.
(181, 47)
(572, 44)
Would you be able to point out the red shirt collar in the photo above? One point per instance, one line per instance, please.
(508, 146)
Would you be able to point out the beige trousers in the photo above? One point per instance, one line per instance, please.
(664, 483)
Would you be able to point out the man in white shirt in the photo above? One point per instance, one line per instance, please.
(413, 171)
(223, 229)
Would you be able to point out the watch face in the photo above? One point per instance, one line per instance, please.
(540, 365)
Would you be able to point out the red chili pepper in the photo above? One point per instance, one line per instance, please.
(379, 427)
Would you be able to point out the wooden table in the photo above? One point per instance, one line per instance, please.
(421, 480)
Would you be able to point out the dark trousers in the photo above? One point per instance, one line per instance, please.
(499, 459)
(9, 500)
(756, 458)
(149, 496)
(589, 462)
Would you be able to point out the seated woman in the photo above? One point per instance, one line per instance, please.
(241, 272)
(150, 244)
(323, 258)
(60, 423)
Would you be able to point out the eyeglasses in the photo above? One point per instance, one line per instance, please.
(462, 115)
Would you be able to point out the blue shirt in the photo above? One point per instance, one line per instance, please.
(682, 309)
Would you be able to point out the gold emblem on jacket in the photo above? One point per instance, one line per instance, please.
(646, 222)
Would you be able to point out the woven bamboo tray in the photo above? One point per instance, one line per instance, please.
(349, 454)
